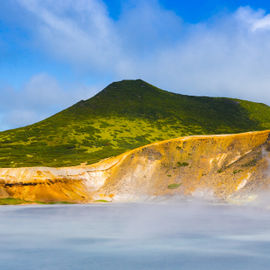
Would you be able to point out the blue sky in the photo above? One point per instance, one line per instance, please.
(54, 53)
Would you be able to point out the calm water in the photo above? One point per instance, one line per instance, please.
(134, 236)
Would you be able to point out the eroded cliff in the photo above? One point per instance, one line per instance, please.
(225, 167)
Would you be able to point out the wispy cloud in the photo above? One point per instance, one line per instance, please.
(79, 32)
(40, 97)
(226, 55)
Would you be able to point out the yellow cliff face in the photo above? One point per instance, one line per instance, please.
(220, 166)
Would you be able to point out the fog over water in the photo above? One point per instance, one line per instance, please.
(163, 235)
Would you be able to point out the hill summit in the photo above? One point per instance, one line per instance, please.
(123, 116)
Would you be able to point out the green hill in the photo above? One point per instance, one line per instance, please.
(121, 117)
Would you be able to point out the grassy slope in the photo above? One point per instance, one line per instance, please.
(16, 201)
(123, 116)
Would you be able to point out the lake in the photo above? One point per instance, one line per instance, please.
(163, 235)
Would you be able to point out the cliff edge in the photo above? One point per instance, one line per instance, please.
(224, 167)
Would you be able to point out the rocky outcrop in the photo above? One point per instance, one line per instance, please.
(225, 167)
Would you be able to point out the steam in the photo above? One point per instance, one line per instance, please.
(260, 197)
(164, 235)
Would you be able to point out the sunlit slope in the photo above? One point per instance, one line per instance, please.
(225, 167)
(123, 116)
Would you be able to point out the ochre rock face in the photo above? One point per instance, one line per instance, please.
(225, 167)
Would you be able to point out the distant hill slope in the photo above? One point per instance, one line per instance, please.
(123, 116)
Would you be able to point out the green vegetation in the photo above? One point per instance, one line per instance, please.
(237, 171)
(15, 201)
(12, 201)
(103, 201)
(123, 116)
(60, 202)
(250, 163)
(182, 164)
(174, 186)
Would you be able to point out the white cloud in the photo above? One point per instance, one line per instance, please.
(257, 20)
(221, 57)
(40, 97)
(77, 31)
(43, 90)
(226, 55)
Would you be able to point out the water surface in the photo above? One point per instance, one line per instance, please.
(181, 235)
